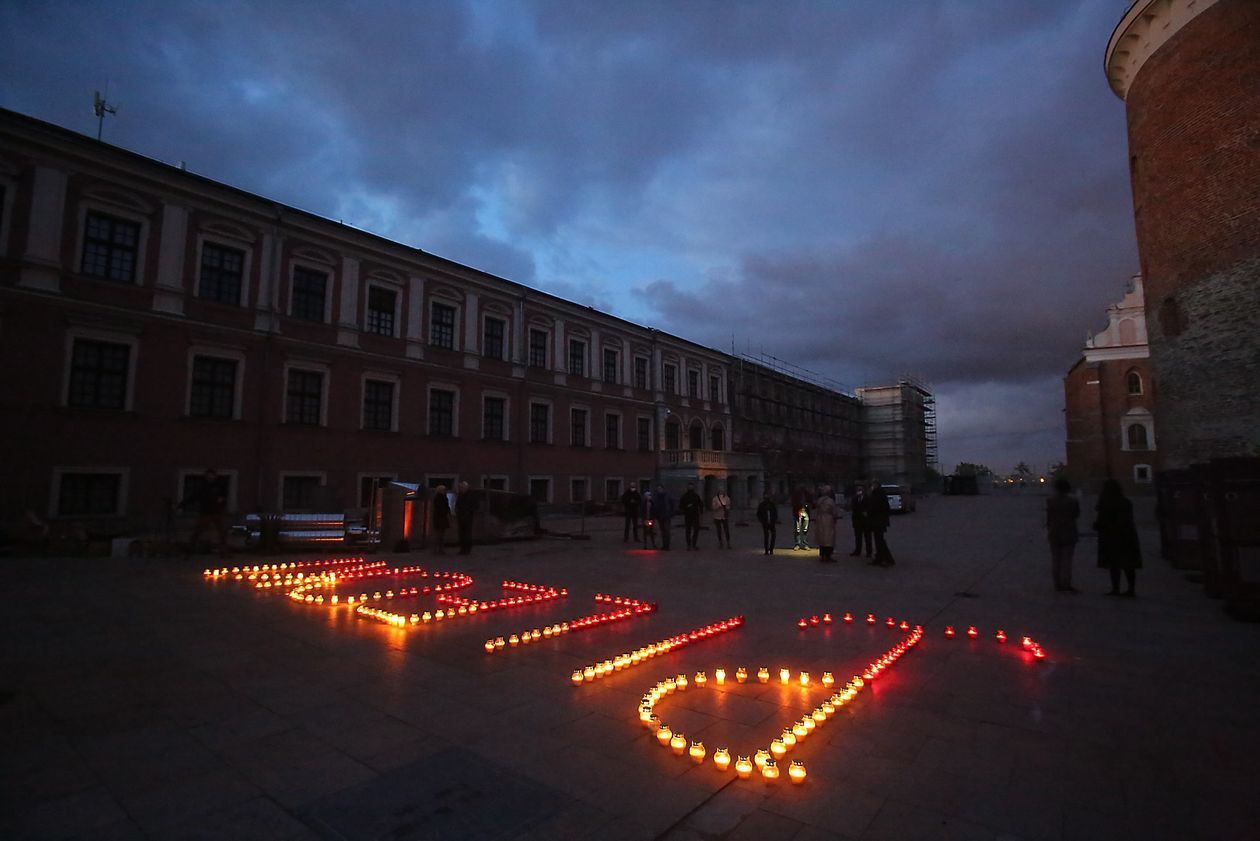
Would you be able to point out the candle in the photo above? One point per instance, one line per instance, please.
(664, 734)
(804, 678)
(719, 675)
(778, 749)
(678, 744)
(696, 752)
(722, 759)
(797, 772)
(741, 674)
(743, 767)
(784, 675)
(770, 770)
(763, 674)
(761, 757)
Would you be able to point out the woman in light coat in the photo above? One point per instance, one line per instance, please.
(825, 524)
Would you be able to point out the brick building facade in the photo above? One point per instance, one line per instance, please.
(1188, 73)
(1109, 402)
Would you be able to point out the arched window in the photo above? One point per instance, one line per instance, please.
(718, 438)
(1134, 382)
(696, 435)
(673, 435)
(1136, 434)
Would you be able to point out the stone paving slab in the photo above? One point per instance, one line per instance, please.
(145, 702)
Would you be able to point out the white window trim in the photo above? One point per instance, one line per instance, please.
(113, 336)
(237, 388)
(586, 353)
(232, 474)
(551, 485)
(54, 496)
(1141, 383)
(547, 350)
(450, 488)
(330, 288)
(507, 413)
(381, 283)
(372, 474)
(677, 380)
(384, 377)
(507, 480)
(87, 204)
(621, 430)
(587, 480)
(1150, 474)
(581, 407)
(621, 483)
(647, 371)
(551, 420)
(428, 414)
(1140, 418)
(651, 438)
(247, 262)
(322, 475)
(699, 395)
(617, 352)
(505, 350)
(721, 388)
(312, 367)
(457, 334)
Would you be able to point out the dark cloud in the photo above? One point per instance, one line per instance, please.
(862, 188)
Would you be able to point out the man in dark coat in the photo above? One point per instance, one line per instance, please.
(466, 504)
(691, 506)
(858, 505)
(662, 512)
(210, 498)
(768, 516)
(878, 513)
(631, 501)
(1118, 545)
(1062, 511)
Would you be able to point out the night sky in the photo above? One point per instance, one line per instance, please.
(864, 189)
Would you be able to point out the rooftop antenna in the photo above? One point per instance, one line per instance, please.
(100, 108)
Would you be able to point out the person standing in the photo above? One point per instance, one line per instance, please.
(441, 519)
(1118, 545)
(721, 506)
(768, 516)
(861, 521)
(211, 501)
(691, 506)
(1062, 512)
(662, 513)
(825, 524)
(649, 524)
(631, 501)
(466, 505)
(878, 513)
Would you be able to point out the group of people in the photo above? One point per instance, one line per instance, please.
(465, 509)
(1119, 551)
(656, 510)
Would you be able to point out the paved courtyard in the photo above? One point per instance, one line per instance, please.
(143, 701)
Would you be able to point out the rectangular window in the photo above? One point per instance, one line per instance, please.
(110, 247)
(380, 310)
(305, 395)
(693, 384)
(494, 483)
(494, 417)
(577, 358)
(378, 405)
(222, 274)
(612, 431)
(715, 389)
(194, 482)
(441, 412)
(98, 374)
(644, 433)
(492, 338)
(442, 326)
(612, 490)
(213, 389)
(577, 427)
(88, 494)
(669, 377)
(540, 489)
(640, 372)
(310, 289)
(298, 492)
(539, 422)
(538, 341)
(611, 358)
(577, 490)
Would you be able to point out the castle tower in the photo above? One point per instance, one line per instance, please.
(1189, 74)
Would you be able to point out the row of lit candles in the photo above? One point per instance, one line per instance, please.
(628, 659)
(306, 592)
(289, 579)
(1026, 642)
(581, 623)
(253, 571)
(536, 593)
(765, 759)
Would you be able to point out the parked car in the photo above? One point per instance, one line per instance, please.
(900, 500)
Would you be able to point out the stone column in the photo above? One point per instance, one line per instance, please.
(348, 317)
(168, 296)
(415, 317)
(42, 269)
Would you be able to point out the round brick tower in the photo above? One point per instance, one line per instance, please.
(1189, 74)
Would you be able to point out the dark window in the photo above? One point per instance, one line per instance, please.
(612, 490)
(222, 272)
(610, 365)
(1137, 437)
(442, 326)
(539, 421)
(645, 434)
(673, 435)
(492, 338)
(309, 290)
(494, 483)
(1142, 473)
(494, 415)
(194, 482)
(441, 412)
(577, 427)
(718, 436)
(540, 489)
(378, 405)
(697, 436)
(110, 246)
(299, 492)
(577, 357)
(380, 310)
(715, 389)
(693, 384)
(538, 340)
(369, 487)
(640, 372)
(213, 392)
(577, 490)
(670, 373)
(1135, 382)
(305, 395)
(98, 375)
(612, 431)
(88, 494)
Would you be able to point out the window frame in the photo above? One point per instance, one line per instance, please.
(233, 475)
(310, 368)
(379, 377)
(126, 214)
(615, 355)
(1129, 377)
(551, 420)
(486, 318)
(55, 492)
(451, 389)
(715, 388)
(507, 415)
(642, 373)
(585, 426)
(546, 348)
(237, 388)
(396, 313)
(669, 378)
(455, 308)
(551, 487)
(650, 441)
(246, 250)
(374, 475)
(107, 336)
(575, 343)
(610, 414)
(693, 384)
(503, 477)
(311, 266)
(609, 481)
(321, 475)
(585, 480)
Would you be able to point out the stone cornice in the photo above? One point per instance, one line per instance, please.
(1144, 29)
